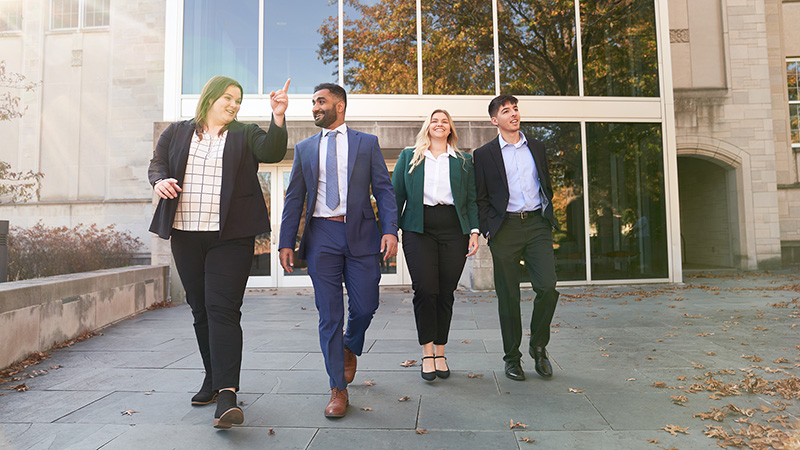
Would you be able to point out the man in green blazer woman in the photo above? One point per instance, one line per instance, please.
(434, 184)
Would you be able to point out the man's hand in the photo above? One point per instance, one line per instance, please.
(279, 102)
(389, 244)
(286, 256)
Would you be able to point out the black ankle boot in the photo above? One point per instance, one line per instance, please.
(206, 395)
(228, 412)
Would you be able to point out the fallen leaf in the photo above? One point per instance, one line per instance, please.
(21, 387)
(475, 375)
(630, 379)
(408, 362)
(605, 355)
(129, 412)
(422, 431)
(403, 399)
(369, 383)
(272, 431)
(659, 384)
(366, 409)
(674, 429)
(576, 391)
(652, 441)
(527, 439)
(466, 342)
(517, 425)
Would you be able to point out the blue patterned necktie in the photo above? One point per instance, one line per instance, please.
(331, 173)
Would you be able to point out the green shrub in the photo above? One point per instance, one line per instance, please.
(42, 251)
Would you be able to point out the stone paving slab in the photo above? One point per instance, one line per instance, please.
(609, 344)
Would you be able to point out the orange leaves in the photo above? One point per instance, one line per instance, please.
(517, 425)
(408, 362)
(674, 429)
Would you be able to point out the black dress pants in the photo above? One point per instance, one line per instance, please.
(435, 260)
(214, 274)
(529, 239)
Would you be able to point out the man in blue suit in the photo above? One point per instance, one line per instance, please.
(333, 172)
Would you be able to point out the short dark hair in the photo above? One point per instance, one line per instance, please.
(335, 89)
(499, 101)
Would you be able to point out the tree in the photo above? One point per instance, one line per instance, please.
(537, 47)
(15, 186)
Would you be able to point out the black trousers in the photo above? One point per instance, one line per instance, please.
(435, 260)
(529, 239)
(214, 274)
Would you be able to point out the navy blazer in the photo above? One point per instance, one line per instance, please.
(409, 190)
(242, 211)
(366, 169)
(491, 183)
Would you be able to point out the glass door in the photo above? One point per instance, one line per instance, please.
(264, 264)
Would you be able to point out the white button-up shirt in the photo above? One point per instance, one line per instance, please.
(437, 189)
(523, 178)
(321, 208)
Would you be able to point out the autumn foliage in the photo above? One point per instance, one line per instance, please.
(41, 251)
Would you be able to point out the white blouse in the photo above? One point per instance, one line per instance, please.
(437, 190)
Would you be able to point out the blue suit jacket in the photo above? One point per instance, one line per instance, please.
(366, 169)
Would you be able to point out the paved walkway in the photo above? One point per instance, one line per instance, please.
(609, 345)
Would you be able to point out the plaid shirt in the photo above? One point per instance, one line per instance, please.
(198, 205)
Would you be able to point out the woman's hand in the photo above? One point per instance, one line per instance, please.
(473, 244)
(279, 102)
(167, 188)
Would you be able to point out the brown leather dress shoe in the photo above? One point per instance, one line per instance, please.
(350, 362)
(337, 407)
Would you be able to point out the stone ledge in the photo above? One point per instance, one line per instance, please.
(37, 313)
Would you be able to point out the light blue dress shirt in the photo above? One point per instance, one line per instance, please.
(523, 178)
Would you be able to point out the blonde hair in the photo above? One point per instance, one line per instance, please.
(424, 140)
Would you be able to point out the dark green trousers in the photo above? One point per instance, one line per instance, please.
(531, 240)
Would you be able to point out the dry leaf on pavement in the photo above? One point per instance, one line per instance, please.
(674, 429)
(408, 362)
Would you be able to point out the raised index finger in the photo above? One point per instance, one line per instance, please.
(286, 86)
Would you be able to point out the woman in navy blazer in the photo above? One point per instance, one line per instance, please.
(434, 184)
(211, 208)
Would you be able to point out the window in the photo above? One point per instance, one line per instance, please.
(79, 14)
(427, 47)
(10, 15)
(793, 81)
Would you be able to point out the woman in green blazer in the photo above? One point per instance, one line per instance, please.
(434, 184)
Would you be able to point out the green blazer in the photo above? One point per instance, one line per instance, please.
(408, 190)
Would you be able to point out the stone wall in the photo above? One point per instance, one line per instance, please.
(36, 314)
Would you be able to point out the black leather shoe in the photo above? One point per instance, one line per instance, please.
(541, 362)
(205, 396)
(427, 376)
(442, 373)
(514, 371)
(228, 412)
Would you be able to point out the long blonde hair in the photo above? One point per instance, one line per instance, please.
(424, 140)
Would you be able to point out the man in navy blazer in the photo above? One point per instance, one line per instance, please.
(333, 172)
(515, 210)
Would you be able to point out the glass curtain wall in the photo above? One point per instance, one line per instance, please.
(607, 169)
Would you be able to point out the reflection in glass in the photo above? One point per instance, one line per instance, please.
(457, 47)
(563, 144)
(291, 42)
(220, 39)
(538, 53)
(261, 255)
(627, 208)
(793, 82)
(300, 266)
(380, 46)
(390, 265)
(619, 48)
